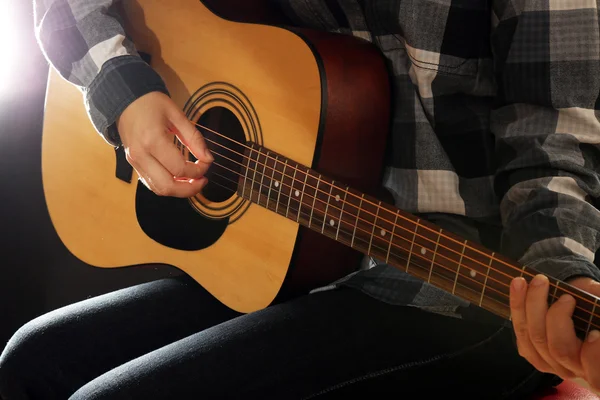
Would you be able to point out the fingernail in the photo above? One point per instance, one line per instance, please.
(539, 280)
(593, 336)
(209, 155)
(518, 284)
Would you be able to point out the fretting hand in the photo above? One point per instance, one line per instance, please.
(146, 128)
(546, 335)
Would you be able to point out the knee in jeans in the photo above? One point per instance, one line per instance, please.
(21, 361)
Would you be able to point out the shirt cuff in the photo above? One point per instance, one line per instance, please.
(121, 81)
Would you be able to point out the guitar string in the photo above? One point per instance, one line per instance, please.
(391, 242)
(357, 208)
(429, 261)
(345, 191)
(342, 221)
(493, 258)
(564, 288)
(432, 262)
(368, 223)
(553, 296)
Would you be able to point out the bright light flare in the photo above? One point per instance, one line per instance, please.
(10, 37)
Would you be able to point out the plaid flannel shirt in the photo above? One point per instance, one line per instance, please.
(495, 133)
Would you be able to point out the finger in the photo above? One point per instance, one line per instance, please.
(164, 184)
(171, 158)
(134, 158)
(143, 176)
(191, 137)
(563, 344)
(536, 307)
(590, 354)
(518, 294)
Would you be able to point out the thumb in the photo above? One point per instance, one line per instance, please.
(191, 138)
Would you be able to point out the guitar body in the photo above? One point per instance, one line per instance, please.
(319, 99)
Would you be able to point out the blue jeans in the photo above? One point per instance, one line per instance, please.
(170, 339)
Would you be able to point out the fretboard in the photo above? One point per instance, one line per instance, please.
(388, 234)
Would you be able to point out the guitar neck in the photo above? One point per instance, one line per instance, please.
(402, 240)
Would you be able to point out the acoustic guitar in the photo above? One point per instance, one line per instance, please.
(297, 121)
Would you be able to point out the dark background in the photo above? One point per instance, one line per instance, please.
(37, 273)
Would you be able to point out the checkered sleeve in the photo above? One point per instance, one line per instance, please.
(547, 128)
(85, 41)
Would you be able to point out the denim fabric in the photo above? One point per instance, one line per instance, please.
(170, 339)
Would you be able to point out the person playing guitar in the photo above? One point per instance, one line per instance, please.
(494, 136)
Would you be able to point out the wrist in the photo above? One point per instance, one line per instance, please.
(121, 81)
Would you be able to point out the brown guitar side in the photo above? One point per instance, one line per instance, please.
(352, 134)
(352, 149)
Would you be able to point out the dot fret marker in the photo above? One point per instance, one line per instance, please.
(276, 184)
(332, 223)
(383, 232)
(297, 193)
(423, 250)
(473, 273)
(337, 197)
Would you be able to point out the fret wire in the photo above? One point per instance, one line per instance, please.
(254, 175)
(357, 216)
(342, 214)
(291, 189)
(387, 257)
(412, 244)
(304, 191)
(591, 317)
(459, 265)
(263, 175)
(281, 186)
(327, 206)
(246, 175)
(374, 226)
(272, 179)
(486, 279)
(434, 254)
(314, 200)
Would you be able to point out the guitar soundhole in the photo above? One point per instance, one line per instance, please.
(228, 121)
(224, 136)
